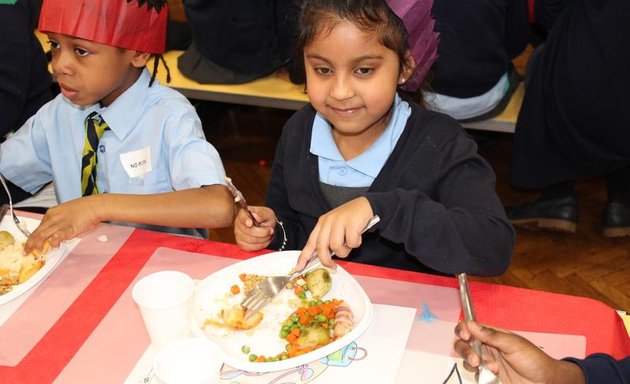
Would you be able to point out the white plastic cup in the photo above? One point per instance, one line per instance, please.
(189, 361)
(165, 302)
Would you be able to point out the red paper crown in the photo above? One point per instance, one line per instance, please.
(423, 41)
(130, 24)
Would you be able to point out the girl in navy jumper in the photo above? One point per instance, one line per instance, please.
(360, 149)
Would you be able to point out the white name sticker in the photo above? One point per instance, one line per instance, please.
(137, 163)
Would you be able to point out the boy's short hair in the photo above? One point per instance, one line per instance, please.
(139, 25)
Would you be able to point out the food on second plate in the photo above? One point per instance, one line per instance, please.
(315, 322)
(15, 267)
(249, 281)
(344, 320)
(234, 318)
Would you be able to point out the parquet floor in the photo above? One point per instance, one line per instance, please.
(584, 264)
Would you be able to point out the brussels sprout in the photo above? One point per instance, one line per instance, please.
(319, 282)
(313, 335)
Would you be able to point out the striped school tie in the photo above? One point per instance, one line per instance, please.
(94, 128)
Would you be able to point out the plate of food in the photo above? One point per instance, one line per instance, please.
(20, 272)
(317, 314)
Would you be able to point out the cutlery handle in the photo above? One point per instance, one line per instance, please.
(467, 305)
(3, 210)
(487, 377)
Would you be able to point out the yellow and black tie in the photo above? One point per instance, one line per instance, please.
(94, 128)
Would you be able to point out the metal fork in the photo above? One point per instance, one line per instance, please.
(240, 200)
(21, 226)
(266, 290)
(485, 375)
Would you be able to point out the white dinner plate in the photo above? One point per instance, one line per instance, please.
(53, 256)
(212, 295)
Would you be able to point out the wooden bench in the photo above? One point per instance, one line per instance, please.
(506, 121)
(275, 92)
(271, 91)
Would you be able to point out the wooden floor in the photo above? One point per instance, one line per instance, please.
(584, 264)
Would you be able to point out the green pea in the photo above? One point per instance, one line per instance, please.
(252, 357)
(245, 349)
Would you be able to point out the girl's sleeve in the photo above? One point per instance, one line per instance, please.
(453, 223)
(277, 199)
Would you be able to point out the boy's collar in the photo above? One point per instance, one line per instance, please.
(123, 112)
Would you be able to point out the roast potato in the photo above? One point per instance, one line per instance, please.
(319, 282)
(312, 336)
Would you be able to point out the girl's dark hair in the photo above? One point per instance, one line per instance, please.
(320, 16)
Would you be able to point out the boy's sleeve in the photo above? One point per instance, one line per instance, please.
(193, 161)
(24, 157)
(602, 368)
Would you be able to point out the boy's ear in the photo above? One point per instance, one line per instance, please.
(140, 59)
(408, 66)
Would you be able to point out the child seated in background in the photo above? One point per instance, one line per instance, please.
(25, 83)
(359, 149)
(118, 146)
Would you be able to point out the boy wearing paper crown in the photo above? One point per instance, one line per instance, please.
(118, 146)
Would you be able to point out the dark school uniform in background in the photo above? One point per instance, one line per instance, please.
(478, 40)
(575, 117)
(435, 197)
(236, 42)
(24, 78)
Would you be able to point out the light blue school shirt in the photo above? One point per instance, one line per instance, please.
(148, 125)
(363, 169)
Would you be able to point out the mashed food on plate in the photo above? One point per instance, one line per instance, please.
(15, 267)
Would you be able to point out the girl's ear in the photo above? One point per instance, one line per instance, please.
(408, 66)
(140, 59)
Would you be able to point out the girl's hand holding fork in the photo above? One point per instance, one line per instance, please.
(250, 237)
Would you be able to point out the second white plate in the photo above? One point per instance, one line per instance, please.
(211, 295)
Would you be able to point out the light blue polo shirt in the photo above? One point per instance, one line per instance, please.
(363, 169)
(155, 144)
